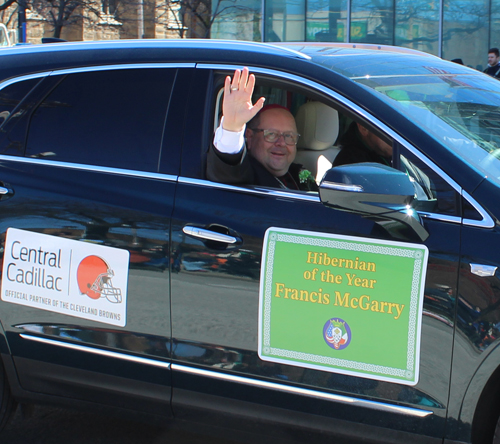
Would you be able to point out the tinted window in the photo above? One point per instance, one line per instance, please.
(433, 194)
(109, 118)
(12, 95)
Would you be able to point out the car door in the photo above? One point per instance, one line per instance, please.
(220, 238)
(85, 226)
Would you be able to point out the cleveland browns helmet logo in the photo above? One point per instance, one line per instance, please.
(94, 280)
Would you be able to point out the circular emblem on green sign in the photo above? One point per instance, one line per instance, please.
(337, 333)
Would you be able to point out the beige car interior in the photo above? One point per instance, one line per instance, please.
(318, 126)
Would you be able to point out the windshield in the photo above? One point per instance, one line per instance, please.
(461, 112)
(458, 106)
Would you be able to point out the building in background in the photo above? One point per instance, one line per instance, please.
(450, 29)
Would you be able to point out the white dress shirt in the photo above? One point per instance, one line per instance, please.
(229, 142)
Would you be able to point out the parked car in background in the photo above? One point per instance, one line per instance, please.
(367, 311)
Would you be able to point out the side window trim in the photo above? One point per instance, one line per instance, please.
(93, 168)
(94, 68)
(270, 192)
(486, 222)
(116, 67)
(126, 74)
(23, 78)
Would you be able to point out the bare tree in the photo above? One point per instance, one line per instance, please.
(194, 18)
(8, 15)
(7, 4)
(61, 13)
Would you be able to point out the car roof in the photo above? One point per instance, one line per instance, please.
(318, 48)
(24, 59)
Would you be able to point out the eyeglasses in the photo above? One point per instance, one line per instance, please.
(272, 135)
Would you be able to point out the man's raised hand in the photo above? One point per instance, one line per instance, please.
(237, 107)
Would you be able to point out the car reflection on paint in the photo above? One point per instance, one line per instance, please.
(238, 305)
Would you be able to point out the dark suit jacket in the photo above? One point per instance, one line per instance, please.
(242, 168)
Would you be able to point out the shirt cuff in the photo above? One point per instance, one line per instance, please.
(229, 142)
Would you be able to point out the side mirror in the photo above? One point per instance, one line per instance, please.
(375, 191)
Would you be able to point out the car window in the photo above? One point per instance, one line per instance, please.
(332, 135)
(313, 157)
(460, 111)
(433, 194)
(112, 118)
(11, 96)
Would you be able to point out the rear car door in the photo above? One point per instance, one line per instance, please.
(218, 234)
(85, 225)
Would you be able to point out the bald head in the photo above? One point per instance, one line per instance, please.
(275, 156)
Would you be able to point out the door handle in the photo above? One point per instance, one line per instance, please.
(5, 193)
(202, 233)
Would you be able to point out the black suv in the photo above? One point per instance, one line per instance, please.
(369, 310)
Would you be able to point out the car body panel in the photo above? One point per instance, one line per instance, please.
(189, 346)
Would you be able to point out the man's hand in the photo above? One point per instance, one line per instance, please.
(237, 107)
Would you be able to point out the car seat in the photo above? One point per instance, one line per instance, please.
(318, 126)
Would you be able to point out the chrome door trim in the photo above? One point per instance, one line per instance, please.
(440, 217)
(375, 405)
(279, 193)
(97, 351)
(485, 223)
(20, 79)
(125, 66)
(92, 168)
(95, 68)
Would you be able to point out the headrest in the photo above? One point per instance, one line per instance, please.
(318, 126)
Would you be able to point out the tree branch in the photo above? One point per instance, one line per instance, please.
(7, 4)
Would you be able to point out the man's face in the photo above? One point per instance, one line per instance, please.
(276, 156)
(375, 143)
(493, 59)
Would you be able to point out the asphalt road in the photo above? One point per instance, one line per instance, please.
(50, 425)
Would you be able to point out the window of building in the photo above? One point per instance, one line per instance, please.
(495, 25)
(284, 21)
(372, 22)
(326, 21)
(465, 32)
(237, 20)
(417, 25)
(112, 118)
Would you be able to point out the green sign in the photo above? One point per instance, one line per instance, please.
(358, 31)
(314, 28)
(342, 304)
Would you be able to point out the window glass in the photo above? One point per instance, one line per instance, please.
(372, 21)
(456, 106)
(12, 95)
(432, 193)
(465, 31)
(494, 31)
(237, 20)
(284, 21)
(417, 25)
(325, 21)
(110, 118)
